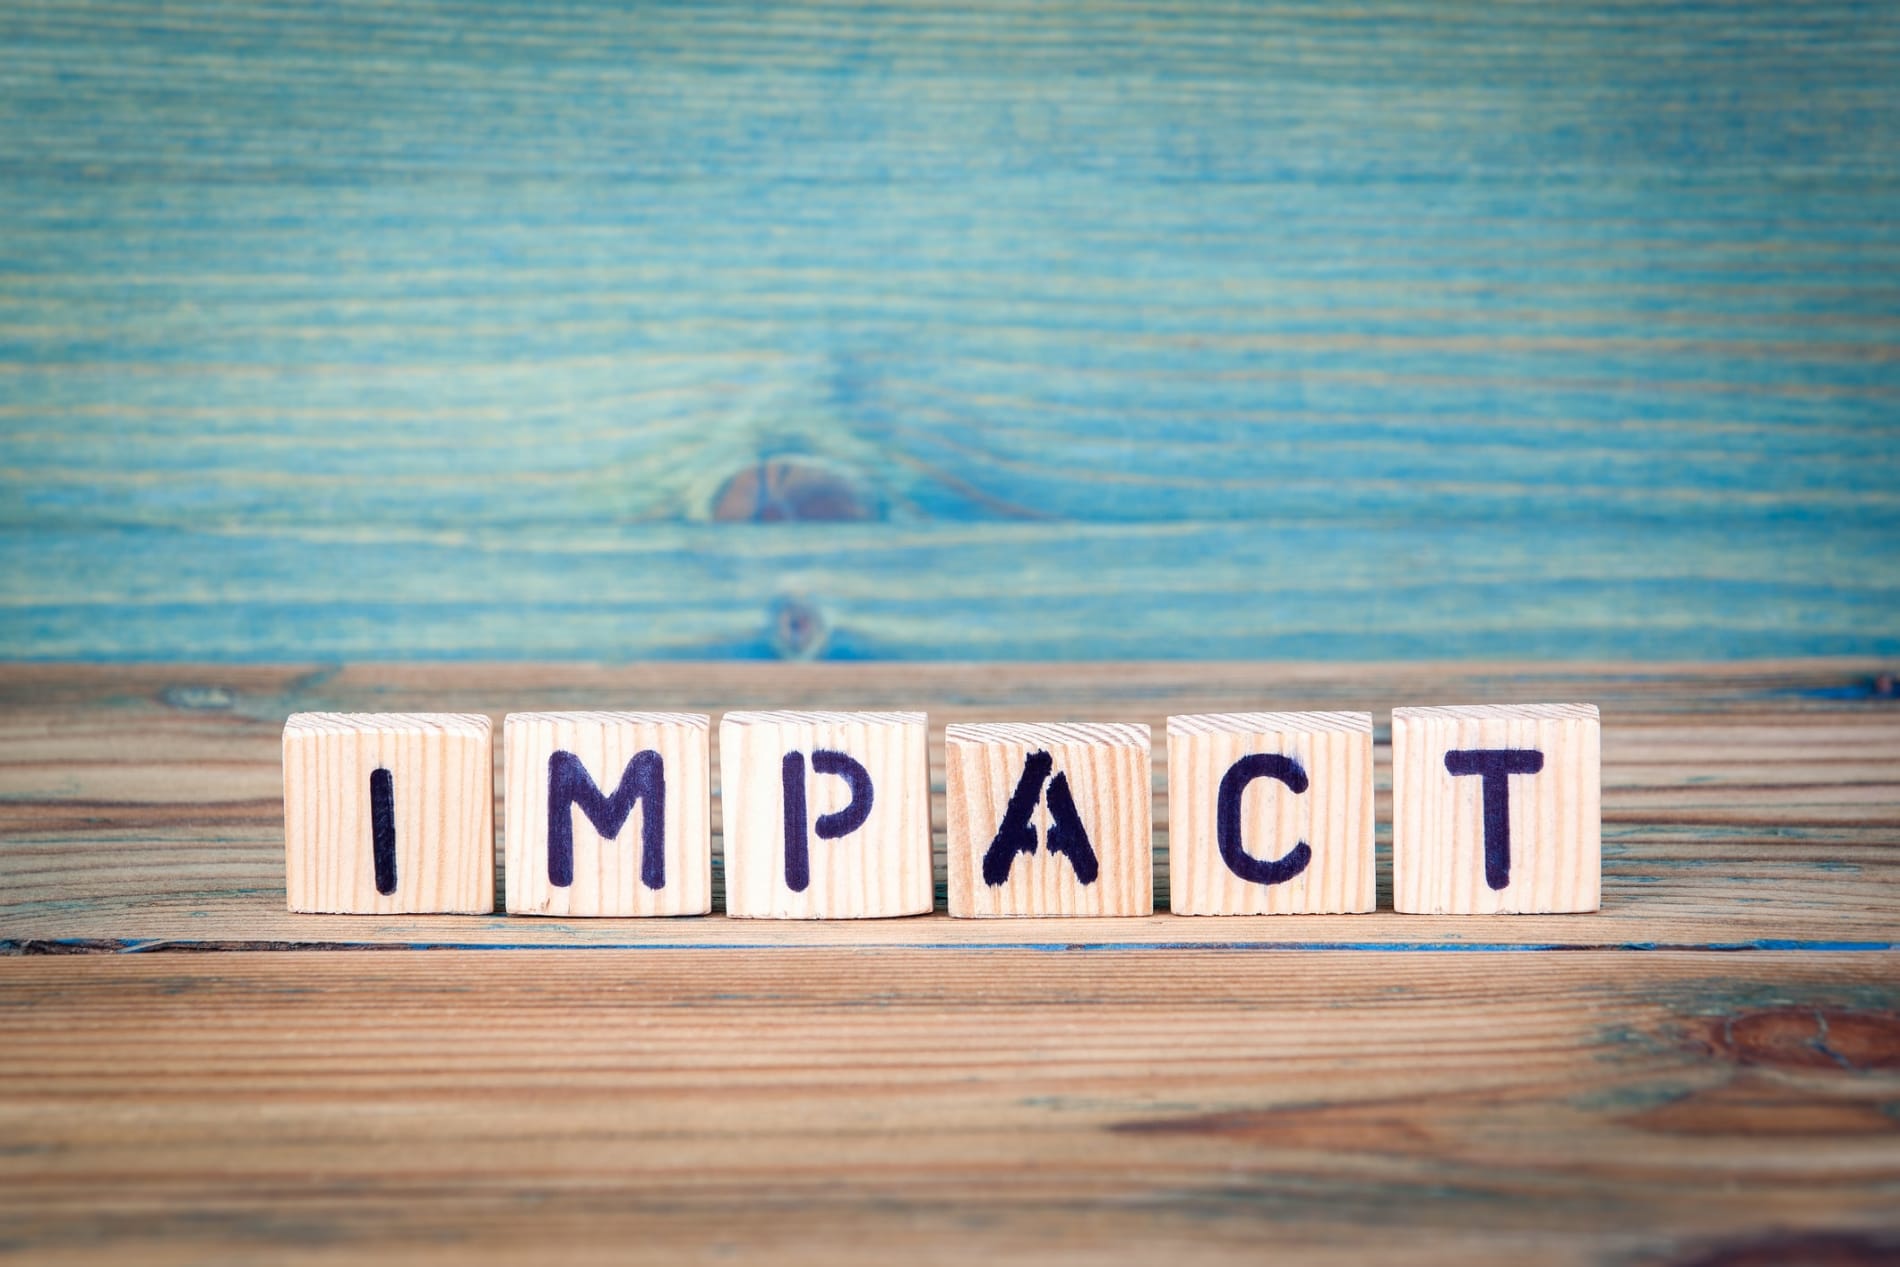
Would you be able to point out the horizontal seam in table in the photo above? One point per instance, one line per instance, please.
(82, 946)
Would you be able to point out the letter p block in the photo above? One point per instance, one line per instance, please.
(1496, 809)
(827, 815)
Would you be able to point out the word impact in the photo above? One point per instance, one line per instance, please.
(827, 814)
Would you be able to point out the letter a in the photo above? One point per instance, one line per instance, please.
(1016, 834)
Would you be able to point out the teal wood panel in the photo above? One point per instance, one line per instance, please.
(1063, 330)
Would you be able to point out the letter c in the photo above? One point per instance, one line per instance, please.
(1259, 765)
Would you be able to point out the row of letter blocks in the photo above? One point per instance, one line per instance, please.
(827, 815)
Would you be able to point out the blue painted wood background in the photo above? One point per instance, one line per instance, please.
(1121, 329)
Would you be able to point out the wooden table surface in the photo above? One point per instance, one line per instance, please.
(1706, 1072)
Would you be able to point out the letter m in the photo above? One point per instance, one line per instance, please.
(570, 787)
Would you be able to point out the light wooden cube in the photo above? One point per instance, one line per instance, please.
(1496, 809)
(1270, 814)
(1049, 819)
(389, 813)
(608, 813)
(827, 815)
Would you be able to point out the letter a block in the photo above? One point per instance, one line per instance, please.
(1496, 810)
(1049, 819)
(827, 815)
(608, 814)
(389, 813)
(1270, 814)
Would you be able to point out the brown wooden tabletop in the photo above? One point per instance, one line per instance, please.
(1708, 1071)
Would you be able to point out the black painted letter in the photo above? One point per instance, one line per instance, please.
(1066, 835)
(1233, 785)
(382, 829)
(797, 849)
(1494, 766)
(570, 787)
(829, 826)
(852, 816)
(1016, 834)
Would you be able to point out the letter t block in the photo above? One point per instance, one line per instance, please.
(1496, 809)
(389, 813)
(608, 814)
(826, 815)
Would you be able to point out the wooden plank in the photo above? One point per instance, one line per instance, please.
(1411, 329)
(1743, 805)
(803, 1104)
(1605, 588)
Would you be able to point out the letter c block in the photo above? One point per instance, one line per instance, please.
(608, 813)
(1270, 814)
(826, 815)
(1496, 809)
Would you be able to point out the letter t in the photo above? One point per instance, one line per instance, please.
(1494, 765)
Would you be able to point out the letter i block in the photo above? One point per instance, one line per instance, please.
(1270, 814)
(1049, 819)
(389, 813)
(827, 815)
(608, 814)
(1496, 810)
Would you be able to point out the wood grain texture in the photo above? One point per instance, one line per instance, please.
(925, 1090)
(1107, 330)
(440, 773)
(1439, 820)
(1104, 774)
(878, 867)
(608, 874)
(1744, 806)
(801, 1105)
(1331, 814)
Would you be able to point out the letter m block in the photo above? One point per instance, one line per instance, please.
(608, 814)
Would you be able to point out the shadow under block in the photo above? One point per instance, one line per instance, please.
(389, 813)
(631, 828)
(1049, 819)
(826, 815)
(1270, 814)
(1496, 810)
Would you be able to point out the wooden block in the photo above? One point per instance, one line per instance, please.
(1049, 819)
(1270, 814)
(827, 815)
(1496, 809)
(389, 813)
(608, 813)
